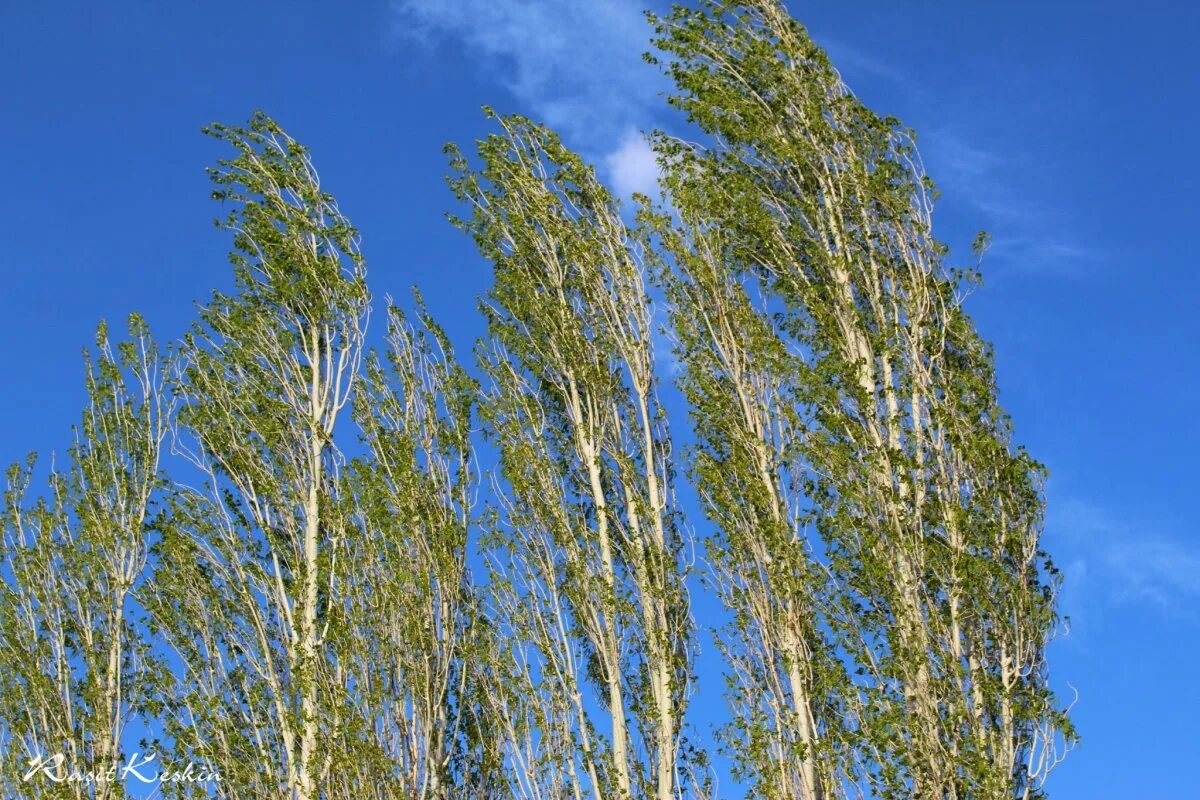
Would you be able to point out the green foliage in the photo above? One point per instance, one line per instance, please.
(874, 529)
(249, 564)
(75, 669)
(911, 501)
(588, 536)
(417, 636)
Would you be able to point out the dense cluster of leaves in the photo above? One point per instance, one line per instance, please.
(806, 244)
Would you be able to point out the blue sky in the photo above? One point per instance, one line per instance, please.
(1064, 129)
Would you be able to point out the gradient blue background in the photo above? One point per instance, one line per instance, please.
(1066, 129)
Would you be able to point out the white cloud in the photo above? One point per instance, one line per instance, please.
(1046, 255)
(1029, 238)
(959, 157)
(632, 167)
(576, 66)
(1157, 569)
(1124, 561)
(851, 61)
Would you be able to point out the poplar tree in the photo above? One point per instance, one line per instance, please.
(248, 582)
(589, 560)
(415, 640)
(744, 385)
(75, 667)
(938, 599)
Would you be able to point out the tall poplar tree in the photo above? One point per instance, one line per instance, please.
(75, 667)
(589, 580)
(415, 639)
(748, 399)
(248, 580)
(939, 598)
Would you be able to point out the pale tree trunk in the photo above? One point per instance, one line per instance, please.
(308, 634)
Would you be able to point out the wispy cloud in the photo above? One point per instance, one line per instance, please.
(1030, 238)
(1046, 255)
(576, 66)
(853, 62)
(957, 155)
(1118, 561)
